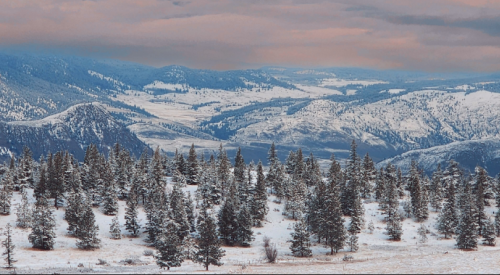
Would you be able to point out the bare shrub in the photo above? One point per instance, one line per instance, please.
(271, 253)
(102, 262)
(148, 252)
(347, 258)
(134, 260)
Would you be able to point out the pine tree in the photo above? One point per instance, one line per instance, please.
(228, 221)
(467, 228)
(448, 218)
(169, 246)
(190, 248)
(244, 233)
(74, 212)
(109, 193)
(497, 223)
(315, 206)
(114, 229)
(239, 167)
(26, 172)
(489, 234)
(5, 198)
(9, 247)
(369, 176)
(178, 213)
(332, 227)
(272, 155)
(43, 224)
(189, 206)
(436, 189)
(380, 186)
(259, 200)
(418, 205)
(223, 169)
(480, 198)
(41, 186)
(394, 228)
(357, 216)
(422, 232)
(209, 250)
(371, 227)
(24, 212)
(352, 241)
(131, 213)
(290, 163)
(87, 237)
(352, 187)
(192, 166)
(300, 240)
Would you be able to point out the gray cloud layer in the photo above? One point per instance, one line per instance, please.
(437, 35)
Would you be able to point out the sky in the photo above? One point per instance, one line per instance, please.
(423, 35)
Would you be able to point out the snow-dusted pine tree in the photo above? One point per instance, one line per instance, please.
(24, 212)
(114, 229)
(300, 246)
(87, 237)
(259, 208)
(42, 227)
(5, 197)
(244, 233)
(467, 228)
(131, 215)
(9, 246)
(193, 168)
(209, 250)
(169, 246)
(332, 227)
(489, 234)
(448, 218)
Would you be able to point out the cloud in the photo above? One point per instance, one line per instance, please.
(442, 35)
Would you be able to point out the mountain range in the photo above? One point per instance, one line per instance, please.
(388, 113)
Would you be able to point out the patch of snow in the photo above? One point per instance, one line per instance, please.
(166, 86)
(343, 82)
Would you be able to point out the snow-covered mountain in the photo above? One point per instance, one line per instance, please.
(472, 153)
(72, 130)
(320, 110)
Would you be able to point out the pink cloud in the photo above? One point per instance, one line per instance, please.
(226, 34)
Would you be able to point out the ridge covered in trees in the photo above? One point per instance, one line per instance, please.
(232, 199)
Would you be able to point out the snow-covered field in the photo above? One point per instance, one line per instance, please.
(376, 254)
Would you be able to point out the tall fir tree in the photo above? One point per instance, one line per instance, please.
(239, 167)
(223, 169)
(368, 177)
(192, 167)
(42, 228)
(178, 213)
(131, 215)
(436, 189)
(448, 219)
(489, 234)
(169, 246)
(74, 211)
(332, 226)
(5, 199)
(480, 197)
(227, 218)
(418, 206)
(300, 246)
(24, 212)
(209, 250)
(114, 229)
(9, 246)
(244, 233)
(259, 201)
(87, 238)
(467, 228)
(109, 192)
